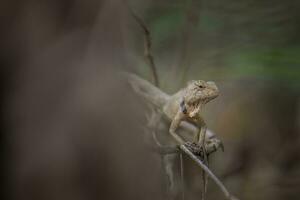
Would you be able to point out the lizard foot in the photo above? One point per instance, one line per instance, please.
(195, 148)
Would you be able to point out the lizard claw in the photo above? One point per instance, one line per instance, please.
(194, 147)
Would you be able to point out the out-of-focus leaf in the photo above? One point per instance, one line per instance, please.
(275, 64)
(209, 22)
(167, 26)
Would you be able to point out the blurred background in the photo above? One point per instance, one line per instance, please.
(71, 129)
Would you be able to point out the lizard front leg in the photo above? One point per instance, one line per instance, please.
(201, 125)
(174, 126)
(202, 134)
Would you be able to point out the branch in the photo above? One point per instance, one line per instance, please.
(147, 46)
(207, 170)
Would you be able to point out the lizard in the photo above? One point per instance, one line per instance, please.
(183, 108)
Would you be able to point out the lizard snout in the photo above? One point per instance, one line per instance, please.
(214, 88)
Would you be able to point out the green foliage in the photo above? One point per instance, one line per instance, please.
(167, 26)
(233, 41)
(276, 64)
(209, 22)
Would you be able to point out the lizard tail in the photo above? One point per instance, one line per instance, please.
(147, 90)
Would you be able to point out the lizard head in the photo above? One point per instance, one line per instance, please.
(197, 94)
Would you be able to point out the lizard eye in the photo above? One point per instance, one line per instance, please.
(201, 86)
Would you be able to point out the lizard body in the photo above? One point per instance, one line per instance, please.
(185, 105)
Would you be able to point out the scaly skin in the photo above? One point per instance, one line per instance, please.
(186, 106)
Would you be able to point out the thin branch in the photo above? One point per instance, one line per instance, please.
(207, 170)
(182, 174)
(147, 46)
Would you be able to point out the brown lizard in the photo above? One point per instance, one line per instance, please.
(185, 105)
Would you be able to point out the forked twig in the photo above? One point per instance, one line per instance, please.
(168, 149)
(147, 46)
(207, 170)
(182, 174)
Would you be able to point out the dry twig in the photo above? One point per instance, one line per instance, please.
(147, 46)
(168, 149)
(208, 171)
